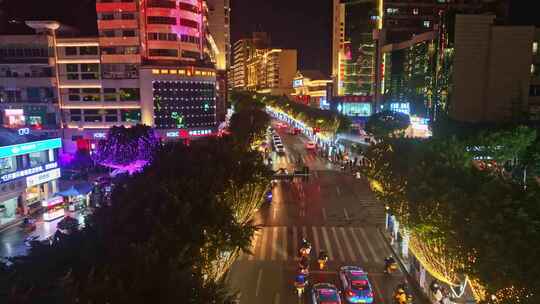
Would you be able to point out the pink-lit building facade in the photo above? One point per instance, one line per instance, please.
(152, 63)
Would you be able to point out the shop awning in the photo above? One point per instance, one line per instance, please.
(75, 190)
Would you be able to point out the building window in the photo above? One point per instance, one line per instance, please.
(128, 33)
(164, 52)
(162, 36)
(189, 23)
(74, 94)
(427, 23)
(71, 51)
(109, 94)
(129, 94)
(111, 116)
(191, 54)
(415, 11)
(107, 16)
(392, 10)
(127, 16)
(7, 165)
(75, 115)
(190, 39)
(130, 115)
(535, 48)
(161, 20)
(88, 50)
(188, 7)
(91, 94)
(162, 3)
(92, 116)
(107, 33)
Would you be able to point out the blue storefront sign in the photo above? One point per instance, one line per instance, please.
(27, 172)
(31, 147)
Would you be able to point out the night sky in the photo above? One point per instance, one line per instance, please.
(304, 25)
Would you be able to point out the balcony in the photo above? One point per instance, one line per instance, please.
(118, 41)
(86, 83)
(121, 58)
(117, 24)
(115, 7)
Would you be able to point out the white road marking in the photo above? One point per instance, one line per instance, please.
(340, 249)
(327, 243)
(346, 214)
(338, 191)
(274, 246)
(259, 278)
(263, 245)
(284, 251)
(295, 241)
(358, 244)
(276, 299)
(316, 239)
(274, 214)
(347, 243)
(254, 242)
(370, 247)
(323, 214)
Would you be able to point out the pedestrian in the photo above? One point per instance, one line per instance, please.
(355, 161)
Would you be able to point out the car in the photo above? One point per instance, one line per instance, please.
(355, 284)
(280, 149)
(310, 145)
(325, 293)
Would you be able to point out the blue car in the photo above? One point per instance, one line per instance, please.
(356, 285)
(325, 293)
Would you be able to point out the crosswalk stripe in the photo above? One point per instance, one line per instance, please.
(263, 246)
(284, 248)
(347, 243)
(370, 247)
(274, 246)
(327, 243)
(340, 249)
(316, 239)
(295, 241)
(358, 244)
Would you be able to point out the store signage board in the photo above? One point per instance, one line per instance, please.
(52, 201)
(42, 177)
(31, 147)
(22, 173)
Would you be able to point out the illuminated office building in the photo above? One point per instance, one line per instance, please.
(258, 67)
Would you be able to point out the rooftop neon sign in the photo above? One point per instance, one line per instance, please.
(30, 147)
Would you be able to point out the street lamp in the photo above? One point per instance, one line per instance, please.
(51, 26)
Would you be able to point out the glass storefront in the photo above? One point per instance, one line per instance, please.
(8, 211)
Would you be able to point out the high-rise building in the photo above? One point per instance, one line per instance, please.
(219, 27)
(353, 47)
(144, 50)
(404, 18)
(463, 70)
(28, 94)
(258, 67)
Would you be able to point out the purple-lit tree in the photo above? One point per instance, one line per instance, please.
(126, 146)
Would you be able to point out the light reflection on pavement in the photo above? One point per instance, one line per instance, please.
(12, 239)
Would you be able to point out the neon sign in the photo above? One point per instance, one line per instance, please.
(298, 83)
(100, 135)
(18, 174)
(31, 147)
(24, 131)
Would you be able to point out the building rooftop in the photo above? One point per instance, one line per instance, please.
(313, 74)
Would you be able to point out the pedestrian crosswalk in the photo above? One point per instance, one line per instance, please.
(342, 244)
(295, 159)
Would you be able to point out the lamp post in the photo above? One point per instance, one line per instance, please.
(51, 26)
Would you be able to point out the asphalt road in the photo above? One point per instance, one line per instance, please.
(12, 239)
(335, 211)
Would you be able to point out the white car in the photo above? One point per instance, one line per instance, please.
(280, 149)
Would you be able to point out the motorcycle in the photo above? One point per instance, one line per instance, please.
(28, 225)
(390, 265)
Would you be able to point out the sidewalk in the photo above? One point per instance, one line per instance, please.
(420, 296)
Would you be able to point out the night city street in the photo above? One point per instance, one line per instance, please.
(269, 152)
(334, 211)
